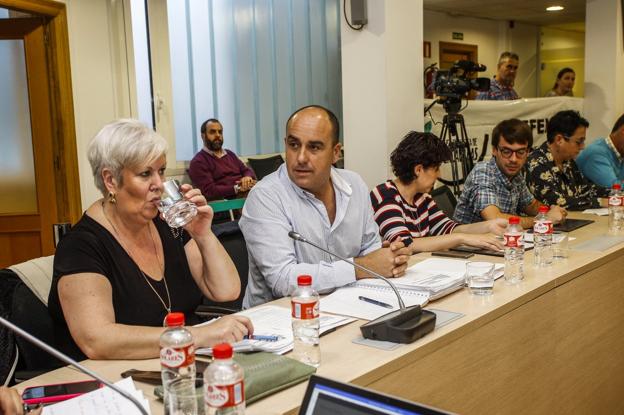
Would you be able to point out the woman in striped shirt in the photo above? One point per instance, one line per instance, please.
(405, 211)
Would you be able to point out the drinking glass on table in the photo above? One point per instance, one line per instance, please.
(560, 245)
(185, 397)
(480, 277)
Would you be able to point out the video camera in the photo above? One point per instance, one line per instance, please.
(454, 83)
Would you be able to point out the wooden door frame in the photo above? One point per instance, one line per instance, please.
(460, 47)
(66, 178)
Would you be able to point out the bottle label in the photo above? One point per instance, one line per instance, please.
(513, 240)
(543, 226)
(177, 357)
(225, 396)
(615, 201)
(305, 311)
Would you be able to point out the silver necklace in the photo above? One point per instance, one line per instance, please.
(167, 308)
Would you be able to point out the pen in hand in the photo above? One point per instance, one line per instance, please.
(370, 300)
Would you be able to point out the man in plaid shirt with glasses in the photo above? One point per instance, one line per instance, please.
(496, 188)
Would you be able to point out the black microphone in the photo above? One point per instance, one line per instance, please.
(32, 339)
(405, 325)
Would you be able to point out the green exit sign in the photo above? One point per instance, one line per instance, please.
(458, 36)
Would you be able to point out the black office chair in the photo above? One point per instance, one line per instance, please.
(26, 311)
(233, 241)
(445, 199)
(265, 166)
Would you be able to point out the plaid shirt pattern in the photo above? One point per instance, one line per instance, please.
(498, 92)
(486, 185)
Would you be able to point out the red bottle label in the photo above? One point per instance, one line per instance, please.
(513, 240)
(543, 227)
(305, 311)
(225, 396)
(615, 201)
(177, 357)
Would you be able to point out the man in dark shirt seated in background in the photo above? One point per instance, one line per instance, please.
(552, 174)
(218, 172)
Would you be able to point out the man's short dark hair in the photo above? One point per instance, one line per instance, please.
(514, 131)
(618, 124)
(332, 119)
(209, 120)
(507, 55)
(564, 123)
(418, 148)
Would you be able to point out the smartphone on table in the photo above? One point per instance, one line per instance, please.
(45, 394)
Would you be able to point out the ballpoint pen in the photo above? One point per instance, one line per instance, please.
(268, 338)
(370, 300)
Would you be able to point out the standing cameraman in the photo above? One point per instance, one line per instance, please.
(501, 87)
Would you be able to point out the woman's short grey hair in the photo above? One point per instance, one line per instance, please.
(124, 143)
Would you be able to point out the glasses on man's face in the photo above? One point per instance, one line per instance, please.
(507, 152)
(579, 142)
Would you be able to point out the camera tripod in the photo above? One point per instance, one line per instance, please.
(454, 134)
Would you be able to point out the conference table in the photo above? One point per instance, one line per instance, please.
(552, 344)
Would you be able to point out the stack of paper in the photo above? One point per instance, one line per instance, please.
(104, 401)
(599, 211)
(272, 320)
(435, 276)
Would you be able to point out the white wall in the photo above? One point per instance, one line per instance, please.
(93, 64)
(381, 85)
(604, 66)
(492, 37)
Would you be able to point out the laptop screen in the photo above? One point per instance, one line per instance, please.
(325, 396)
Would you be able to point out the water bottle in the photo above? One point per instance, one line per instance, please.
(514, 251)
(177, 352)
(542, 238)
(616, 210)
(305, 322)
(224, 388)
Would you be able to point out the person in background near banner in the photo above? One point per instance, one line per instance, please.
(553, 176)
(406, 212)
(564, 84)
(602, 161)
(501, 85)
(496, 188)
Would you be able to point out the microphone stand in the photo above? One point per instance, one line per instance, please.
(405, 325)
(32, 339)
(297, 237)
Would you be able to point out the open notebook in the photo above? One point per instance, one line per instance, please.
(427, 280)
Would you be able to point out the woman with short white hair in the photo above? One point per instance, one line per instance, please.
(122, 269)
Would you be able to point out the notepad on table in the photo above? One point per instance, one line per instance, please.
(271, 320)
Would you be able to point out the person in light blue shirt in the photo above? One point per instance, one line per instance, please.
(602, 161)
(328, 206)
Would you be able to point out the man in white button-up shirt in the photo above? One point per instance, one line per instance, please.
(328, 206)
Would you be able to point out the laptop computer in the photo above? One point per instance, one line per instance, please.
(326, 396)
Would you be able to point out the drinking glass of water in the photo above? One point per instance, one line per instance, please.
(176, 211)
(480, 277)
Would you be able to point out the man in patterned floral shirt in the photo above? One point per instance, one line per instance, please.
(552, 174)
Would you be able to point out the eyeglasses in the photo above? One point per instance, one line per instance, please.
(579, 143)
(507, 152)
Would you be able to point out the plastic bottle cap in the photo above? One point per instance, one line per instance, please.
(304, 280)
(616, 186)
(174, 319)
(222, 351)
(543, 209)
(514, 220)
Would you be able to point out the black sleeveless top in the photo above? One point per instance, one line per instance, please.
(91, 248)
